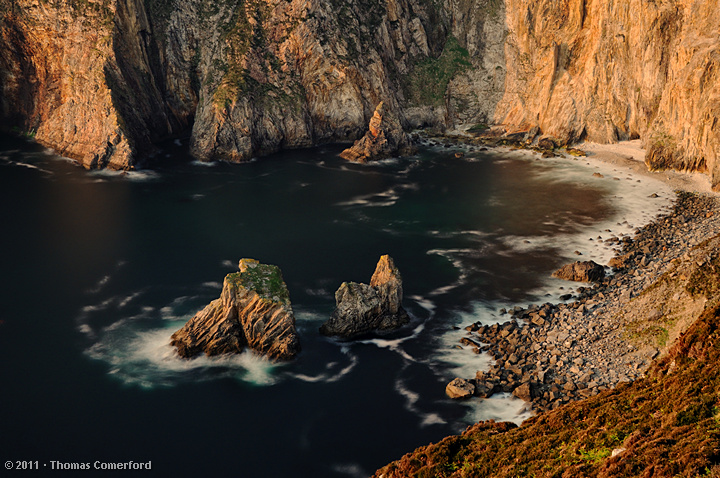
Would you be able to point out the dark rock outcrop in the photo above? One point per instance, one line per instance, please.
(362, 308)
(385, 138)
(586, 271)
(253, 311)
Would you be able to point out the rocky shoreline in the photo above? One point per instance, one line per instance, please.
(607, 333)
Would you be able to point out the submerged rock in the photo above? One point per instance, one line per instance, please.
(385, 138)
(586, 271)
(253, 311)
(362, 308)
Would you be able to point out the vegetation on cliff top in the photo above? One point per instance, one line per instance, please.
(264, 279)
(666, 424)
(428, 82)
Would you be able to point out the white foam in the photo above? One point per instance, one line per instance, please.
(501, 407)
(423, 302)
(168, 312)
(146, 359)
(207, 164)
(382, 199)
(411, 399)
(352, 470)
(451, 234)
(135, 176)
(452, 256)
(332, 373)
(319, 292)
(395, 344)
(99, 286)
(27, 165)
(125, 301)
(212, 285)
(464, 362)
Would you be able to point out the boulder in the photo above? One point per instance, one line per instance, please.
(363, 308)
(253, 311)
(621, 261)
(385, 138)
(459, 389)
(586, 271)
(524, 392)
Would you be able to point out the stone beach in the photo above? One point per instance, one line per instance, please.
(604, 334)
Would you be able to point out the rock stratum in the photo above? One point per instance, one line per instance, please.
(363, 308)
(101, 81)
(253, 311)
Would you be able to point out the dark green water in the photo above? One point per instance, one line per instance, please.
(99, 269)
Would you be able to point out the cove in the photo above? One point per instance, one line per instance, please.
(101, 268)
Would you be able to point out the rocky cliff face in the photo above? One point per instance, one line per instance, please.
(253, 311)
(608, 71)
(101, 80)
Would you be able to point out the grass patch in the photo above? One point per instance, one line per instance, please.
(428, 81)
(478, 128)
(264, 279)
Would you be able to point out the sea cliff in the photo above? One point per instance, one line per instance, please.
(102, 81)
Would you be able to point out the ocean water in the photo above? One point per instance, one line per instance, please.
(100, 268)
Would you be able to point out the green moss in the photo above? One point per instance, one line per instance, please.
(429, 79)
(478, 128)
(264, 279)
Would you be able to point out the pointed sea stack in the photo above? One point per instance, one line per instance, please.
(253, 311)
(362, 308)
(385, 138)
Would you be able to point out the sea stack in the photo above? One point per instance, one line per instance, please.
(363, 308)
(385, 138)
(253, 311)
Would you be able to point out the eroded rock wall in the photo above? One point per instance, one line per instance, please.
(52, 60)
(608, 71)
(101, 80)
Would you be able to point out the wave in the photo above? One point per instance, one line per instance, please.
(385, 198)
(135, 176)
(411, 399)
(205, 164)
(332, 374)
(23, 164)
(145, 358)
(352, 470)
